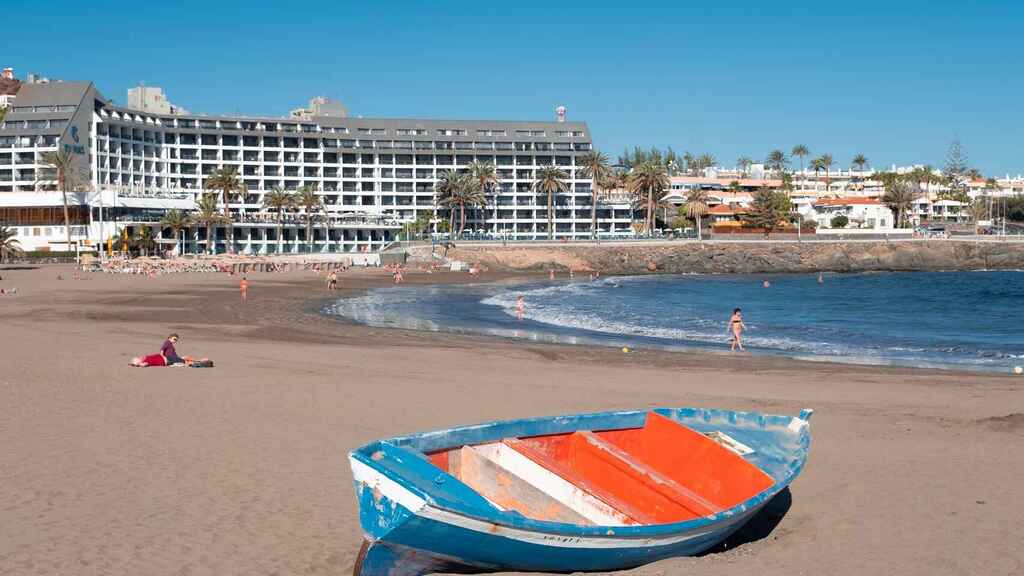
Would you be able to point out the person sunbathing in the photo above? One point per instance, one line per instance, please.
(168, 356)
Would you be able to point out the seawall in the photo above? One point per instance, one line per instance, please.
(738, 257)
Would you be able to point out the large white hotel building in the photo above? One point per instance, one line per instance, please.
(137, 162)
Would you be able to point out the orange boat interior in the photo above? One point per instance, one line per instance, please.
(661, 473)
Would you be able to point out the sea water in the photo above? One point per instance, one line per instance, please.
(966, 320)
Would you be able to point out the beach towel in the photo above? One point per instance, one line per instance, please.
(202, 364)
(153, 360)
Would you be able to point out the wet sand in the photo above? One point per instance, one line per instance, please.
(241, 469)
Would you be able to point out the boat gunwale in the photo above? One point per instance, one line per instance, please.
(640, 531)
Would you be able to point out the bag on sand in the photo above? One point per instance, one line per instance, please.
(203, 364)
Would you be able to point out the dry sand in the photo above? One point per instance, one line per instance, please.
(241, 469)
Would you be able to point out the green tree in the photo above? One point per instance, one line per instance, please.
(9, 245)
(697, 206)
(455, 189)
(225, 180)
(312, 204)
(956, 171)
(900, 194)
(839, 221)
(800, 151)
(177, 221)
(860, 161)
(826, 164)
(768, 210)
(776, 161)
(648, 183)
(551, 181)
(487, 179)
(744, 163)
(62, 164)
(206, 214)
(143, 240)
(594, 165)
(278, 200)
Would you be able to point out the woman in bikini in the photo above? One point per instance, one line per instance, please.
(736, 326)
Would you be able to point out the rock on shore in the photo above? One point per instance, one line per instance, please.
(745, 257)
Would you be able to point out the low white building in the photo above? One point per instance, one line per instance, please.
(861, 214)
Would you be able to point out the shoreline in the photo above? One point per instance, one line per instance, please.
(241, 469)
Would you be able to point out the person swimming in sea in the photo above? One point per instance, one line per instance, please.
(736, 327)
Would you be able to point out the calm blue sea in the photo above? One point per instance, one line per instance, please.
(967, 320)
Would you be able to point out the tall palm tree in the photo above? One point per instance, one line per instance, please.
(487, 178)
(226, 181)
(594, 165)
(826, 164)
(744, 163)
(454, 189)
(860, 161)
(62, 163)
(800, 151)
(697, 206)
(206, 214)
(9, 245)
(278, 200)
(647, 181)
(817, 166)
(311, 204)
(551, 181)
(177, 221)
(776, 161)
(706, 161)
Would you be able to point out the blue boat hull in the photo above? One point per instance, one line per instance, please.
(417, 519)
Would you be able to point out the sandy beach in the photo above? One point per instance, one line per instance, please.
(241, 469)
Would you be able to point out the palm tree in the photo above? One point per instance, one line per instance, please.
(487, 178)
(461, 190)
(63, 164)
(177, 221)
(9, 245)
(800, 151)
(206, 214)
(647, 181)
(706, 161)
(551, 181)
(826, 163)
(311, 204)
(697, 206)
(776, 161)
(278, 200)
(143, 239)
(899, 197)
(744, 164)
(226, 181)
(860, 161)
(594, 165)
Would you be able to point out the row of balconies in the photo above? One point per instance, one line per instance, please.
(329, 158)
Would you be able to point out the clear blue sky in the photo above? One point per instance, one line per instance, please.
(895, 80)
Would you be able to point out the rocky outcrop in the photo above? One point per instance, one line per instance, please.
(744, 257)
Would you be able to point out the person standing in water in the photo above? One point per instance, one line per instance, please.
(520, 307)
(821, 279)
(243, 289)
(736, 326)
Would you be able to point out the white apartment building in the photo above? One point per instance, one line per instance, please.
(372, 174)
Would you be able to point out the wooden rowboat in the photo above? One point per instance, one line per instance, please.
(570, 493)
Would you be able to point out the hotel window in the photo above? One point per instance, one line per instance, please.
(208, 124)
(577, 133)
(562, 133)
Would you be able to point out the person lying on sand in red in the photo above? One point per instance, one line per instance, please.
(168, 356)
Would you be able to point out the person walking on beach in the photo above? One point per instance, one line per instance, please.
(332, 280)
(520, 307)
(736, 326)
(243, 289)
